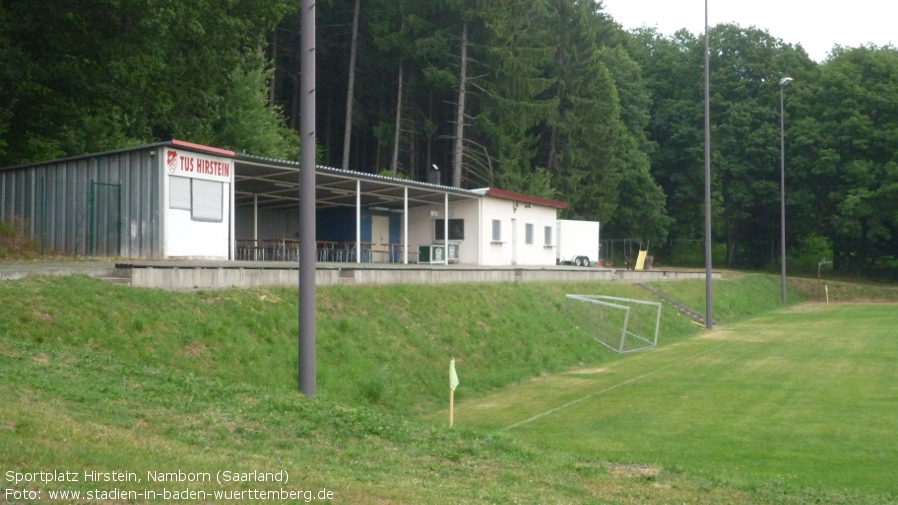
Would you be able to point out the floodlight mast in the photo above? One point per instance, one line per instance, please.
(307, 246)
(709, 320)
(783, 83)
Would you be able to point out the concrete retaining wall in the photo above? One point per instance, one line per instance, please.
(222, 277)
(660, 275)
(11, 273)
(190, 278)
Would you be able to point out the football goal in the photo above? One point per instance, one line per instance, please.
(621, 324)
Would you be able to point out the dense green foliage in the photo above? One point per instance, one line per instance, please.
(840, 146)
(84, 76)
(558, 102)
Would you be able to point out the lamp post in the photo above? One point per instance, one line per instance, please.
(783, 82)
(307, 328)
(709, 304)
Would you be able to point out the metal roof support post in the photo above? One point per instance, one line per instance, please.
(232, 227)
(358, 221)
(256, 218)
(446, 228)
(405, 225)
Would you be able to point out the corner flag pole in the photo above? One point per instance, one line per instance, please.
(453, 383)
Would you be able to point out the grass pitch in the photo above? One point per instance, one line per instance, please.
(107, 378)
(804, 396)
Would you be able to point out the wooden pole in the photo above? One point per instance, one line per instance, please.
(451, 406)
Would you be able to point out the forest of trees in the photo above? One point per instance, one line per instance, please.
(547, 97)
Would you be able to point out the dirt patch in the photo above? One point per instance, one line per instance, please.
(717, 335)
(195, 349)
(270, 298)
(41, 359)
(632, 471)
(589, 371)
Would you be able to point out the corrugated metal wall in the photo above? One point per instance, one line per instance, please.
(104, 205)
(273, 223)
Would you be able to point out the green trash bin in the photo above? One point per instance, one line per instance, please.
(423, 254)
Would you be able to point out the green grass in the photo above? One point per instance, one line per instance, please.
(801, 396)
(94, 376)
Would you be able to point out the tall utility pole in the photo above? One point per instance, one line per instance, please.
(307, 246)
(709, 321)
(350, 88)
(783, 82)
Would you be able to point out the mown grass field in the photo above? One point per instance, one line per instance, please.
(804, 395)
(106, 378)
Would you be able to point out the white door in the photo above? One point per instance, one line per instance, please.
(380, 231)
(514, 241)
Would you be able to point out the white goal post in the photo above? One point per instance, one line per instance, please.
(621, 324)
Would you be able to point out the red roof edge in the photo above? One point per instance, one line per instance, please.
(202, 147)
(536, 200)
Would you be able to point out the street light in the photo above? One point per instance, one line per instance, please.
(783, 82)
(709, 302)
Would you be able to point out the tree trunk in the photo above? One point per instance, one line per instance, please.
(553, 156)
(294, 112)
(412, 147)
(429, 157)
(394, 163)
(460, 111)
(272, 89)
(328, 128)
(350, 88)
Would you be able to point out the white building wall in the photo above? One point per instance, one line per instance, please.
(511, 248)
(478, 248)
(421, 227)
(184, 237)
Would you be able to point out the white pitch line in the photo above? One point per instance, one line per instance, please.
(647, 374)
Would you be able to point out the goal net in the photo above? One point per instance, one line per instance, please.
(621, 324)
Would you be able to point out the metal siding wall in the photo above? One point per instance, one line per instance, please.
(138, 175)
(243, 221)
(278, 223)
(67, 186)
(3, 196)
(273, 223)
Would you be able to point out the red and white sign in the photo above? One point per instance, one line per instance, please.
(198, 166)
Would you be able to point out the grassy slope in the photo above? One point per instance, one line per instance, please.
(103, 377)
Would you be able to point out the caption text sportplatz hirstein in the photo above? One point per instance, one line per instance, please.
(20, 485)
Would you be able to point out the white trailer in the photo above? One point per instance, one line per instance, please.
(577, 242)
